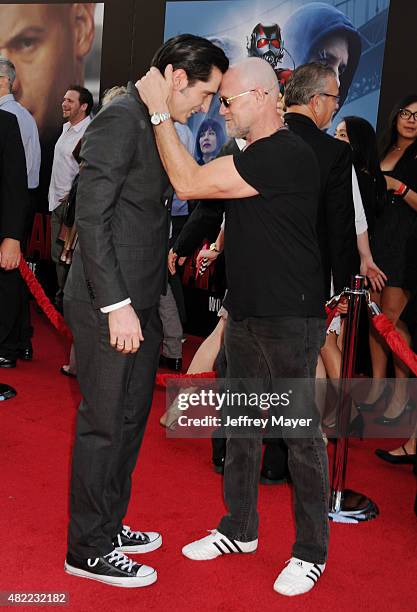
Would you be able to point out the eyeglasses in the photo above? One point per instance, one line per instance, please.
(407, 114)
(226, 101)
(329, 95)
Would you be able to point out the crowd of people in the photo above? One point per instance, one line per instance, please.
(281, 195)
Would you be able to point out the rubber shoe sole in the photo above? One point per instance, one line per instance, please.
(127, 583)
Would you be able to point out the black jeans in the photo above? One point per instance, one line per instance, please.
(273, 348)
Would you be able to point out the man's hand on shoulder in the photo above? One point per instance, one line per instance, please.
(125, 330)
(9, 254)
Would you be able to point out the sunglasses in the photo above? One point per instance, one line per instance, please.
(226, 101)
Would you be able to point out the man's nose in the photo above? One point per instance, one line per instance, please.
(205, 106)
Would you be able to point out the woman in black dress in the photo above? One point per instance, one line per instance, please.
(360, 134)
(394, 248)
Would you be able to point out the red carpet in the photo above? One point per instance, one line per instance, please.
(371, 566)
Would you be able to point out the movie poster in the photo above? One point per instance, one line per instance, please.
(349, 36)
(52, 46)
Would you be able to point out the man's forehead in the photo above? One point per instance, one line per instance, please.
(230, 81)
(72, 95)
(333, 84)
(14, 18)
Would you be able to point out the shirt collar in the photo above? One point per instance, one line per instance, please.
(7, 98)
(78, 126)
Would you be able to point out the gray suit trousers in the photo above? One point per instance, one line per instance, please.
(117, 395)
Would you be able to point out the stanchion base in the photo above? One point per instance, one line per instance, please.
(356, 508)
(6, 392)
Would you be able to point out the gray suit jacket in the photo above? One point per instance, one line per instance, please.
(122, 214)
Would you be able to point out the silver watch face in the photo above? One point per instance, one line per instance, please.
(156, 119)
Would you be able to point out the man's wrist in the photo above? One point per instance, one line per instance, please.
(160, 116)
(116, 306)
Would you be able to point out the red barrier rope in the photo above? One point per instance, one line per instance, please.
(163, 379)
(381, 323)
(395, 341)
(42, 300)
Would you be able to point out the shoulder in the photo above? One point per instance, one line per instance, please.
(124, 109)
(293, 146)
(7, 118)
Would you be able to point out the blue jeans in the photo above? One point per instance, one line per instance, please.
(273, 348)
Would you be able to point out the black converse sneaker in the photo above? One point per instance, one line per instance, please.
(115, 569)
(129, 541)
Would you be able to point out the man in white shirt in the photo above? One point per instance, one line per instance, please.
(30, 138)
(76, 109)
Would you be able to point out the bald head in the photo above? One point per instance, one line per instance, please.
(254, 73)
(250, 90)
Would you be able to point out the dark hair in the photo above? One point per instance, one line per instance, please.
(85, 97)
(389, 136)
(306, 81)
(196, 55)
(362, 139)
(209, 124)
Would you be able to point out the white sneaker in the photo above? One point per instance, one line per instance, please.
(216, 544)
(298, 577)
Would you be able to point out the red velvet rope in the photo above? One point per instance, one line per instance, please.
(381, 323)
(42, 300)
(395, 341)
(163, 379)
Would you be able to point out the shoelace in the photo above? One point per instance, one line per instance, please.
(138, 535)
(118, 559)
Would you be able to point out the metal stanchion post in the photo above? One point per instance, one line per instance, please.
(345, 505)
(6, 392)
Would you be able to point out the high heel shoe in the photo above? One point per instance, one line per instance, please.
(355, 430)
(409, 406)
(405, 459)
(370, 406)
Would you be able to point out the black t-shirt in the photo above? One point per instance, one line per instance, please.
(273, 261)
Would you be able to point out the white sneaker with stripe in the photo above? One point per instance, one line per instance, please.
(215, 545)
(298, 577)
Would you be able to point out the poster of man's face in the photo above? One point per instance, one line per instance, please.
(52, 46)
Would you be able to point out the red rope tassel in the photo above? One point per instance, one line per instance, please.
(163, 379)
(42, 300)
(395, 341)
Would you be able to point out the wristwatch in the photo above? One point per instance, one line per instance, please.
(214, 248)
(157, 118)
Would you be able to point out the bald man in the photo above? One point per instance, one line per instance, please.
(275, 300)
(47, 43)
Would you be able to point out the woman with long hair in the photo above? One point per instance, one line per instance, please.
(361, 137)
(393, 246)
(369, 191)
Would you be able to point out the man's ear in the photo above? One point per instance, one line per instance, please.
(179, 79)
(84, 29)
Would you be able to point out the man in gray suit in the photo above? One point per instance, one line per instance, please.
(111, 299)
